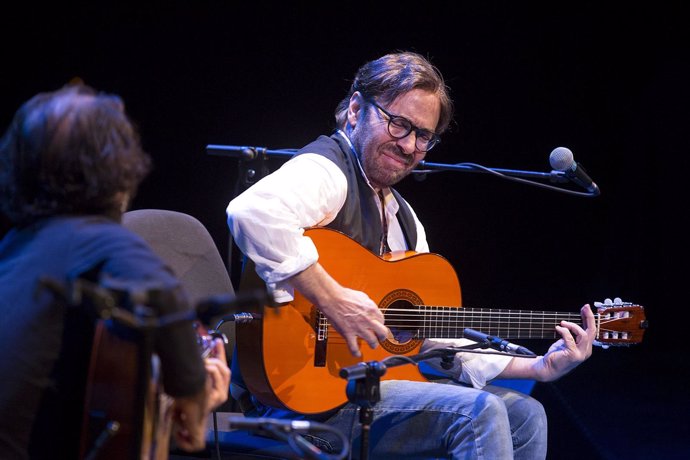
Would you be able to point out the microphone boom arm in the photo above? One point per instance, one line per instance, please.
(252, 155)
(553, 176)
(248, 153)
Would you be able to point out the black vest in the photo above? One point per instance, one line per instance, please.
(360, 218)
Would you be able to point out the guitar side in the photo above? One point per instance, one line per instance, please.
(284, 362)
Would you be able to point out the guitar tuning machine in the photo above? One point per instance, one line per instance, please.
(610, 303)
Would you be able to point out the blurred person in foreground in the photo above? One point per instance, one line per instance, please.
(70, 162)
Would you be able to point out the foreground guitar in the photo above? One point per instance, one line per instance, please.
(127, 414)
(291, 356)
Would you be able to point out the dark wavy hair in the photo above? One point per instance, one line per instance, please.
(70, 151)
(395, 74)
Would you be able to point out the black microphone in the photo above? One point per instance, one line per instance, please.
(361, 370)
(561, 159)
(263, 423)
(496, 343)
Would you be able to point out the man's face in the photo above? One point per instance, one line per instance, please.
(385, 159)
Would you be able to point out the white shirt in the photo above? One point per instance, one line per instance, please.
(267, 222)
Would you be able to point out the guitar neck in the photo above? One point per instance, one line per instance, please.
(449, 322)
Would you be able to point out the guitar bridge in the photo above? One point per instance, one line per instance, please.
(321, 345)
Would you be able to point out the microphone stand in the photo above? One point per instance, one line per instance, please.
(252, 158)
(253, 166)
(364, 378)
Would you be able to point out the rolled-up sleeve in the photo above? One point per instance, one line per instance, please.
(267, 221)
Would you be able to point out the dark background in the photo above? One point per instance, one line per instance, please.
(609, 82)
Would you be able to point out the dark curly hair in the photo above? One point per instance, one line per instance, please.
(70, 151)
(394, 74)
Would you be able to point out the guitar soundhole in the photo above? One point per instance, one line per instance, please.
(402, 318)
(401, 312)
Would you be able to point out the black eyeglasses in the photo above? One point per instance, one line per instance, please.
(400, 127)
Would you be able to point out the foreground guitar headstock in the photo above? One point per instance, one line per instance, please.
(619, 323)
(205, 338)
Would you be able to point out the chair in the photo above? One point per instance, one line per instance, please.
(185, 244)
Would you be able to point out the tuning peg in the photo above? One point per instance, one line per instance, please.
(606, 302)
(617, 302)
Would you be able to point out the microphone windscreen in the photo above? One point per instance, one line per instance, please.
(561, 159)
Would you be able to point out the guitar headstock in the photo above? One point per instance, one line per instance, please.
(619, 323)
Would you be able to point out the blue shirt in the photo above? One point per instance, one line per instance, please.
(45, 344)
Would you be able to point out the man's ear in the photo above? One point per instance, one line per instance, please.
(354, 110)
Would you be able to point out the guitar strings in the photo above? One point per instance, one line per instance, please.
(434, 317)
(471, 316)
(450, 322)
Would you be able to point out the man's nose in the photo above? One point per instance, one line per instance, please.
(408, 143)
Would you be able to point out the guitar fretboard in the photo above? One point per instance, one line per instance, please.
(426, 321)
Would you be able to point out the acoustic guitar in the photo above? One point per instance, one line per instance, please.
(290, 357)
(127, 413)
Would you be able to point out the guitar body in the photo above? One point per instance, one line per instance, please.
(291, 358)
(123, 411)
(127, 413)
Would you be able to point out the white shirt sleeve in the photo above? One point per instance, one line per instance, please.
(476, 369)
(267, 220)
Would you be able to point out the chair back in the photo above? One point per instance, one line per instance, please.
(186, 246)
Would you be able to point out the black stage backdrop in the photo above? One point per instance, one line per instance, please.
(607, 81)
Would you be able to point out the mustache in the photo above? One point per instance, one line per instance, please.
(398, 153)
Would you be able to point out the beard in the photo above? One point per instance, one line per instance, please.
(377, 153)
(377, 167)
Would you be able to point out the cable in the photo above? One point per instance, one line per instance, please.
(290, 432)
(216, 441)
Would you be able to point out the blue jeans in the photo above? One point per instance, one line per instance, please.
(425, 420)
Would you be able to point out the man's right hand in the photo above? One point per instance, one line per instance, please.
(352, 313)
